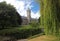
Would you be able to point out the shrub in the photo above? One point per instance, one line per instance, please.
(34, 24)
(20, 33)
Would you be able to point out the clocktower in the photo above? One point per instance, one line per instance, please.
(29, 15)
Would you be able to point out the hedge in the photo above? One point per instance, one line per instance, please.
(21, 33)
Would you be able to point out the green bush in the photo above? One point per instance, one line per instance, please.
(34, 24)
(20, 33)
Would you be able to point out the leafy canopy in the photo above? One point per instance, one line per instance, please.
(9, 16)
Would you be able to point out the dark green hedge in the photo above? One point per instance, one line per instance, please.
(21, 33)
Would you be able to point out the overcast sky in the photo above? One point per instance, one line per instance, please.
(22, 5)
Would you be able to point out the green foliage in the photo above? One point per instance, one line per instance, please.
(50, 14)
(34, 24)
(21, 32)
(8, 16)
(39, 19)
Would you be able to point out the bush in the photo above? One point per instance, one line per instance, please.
(34, 24)
(20, 33)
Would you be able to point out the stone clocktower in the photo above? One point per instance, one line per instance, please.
(29, 15)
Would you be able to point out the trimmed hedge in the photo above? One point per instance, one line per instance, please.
(21, 33)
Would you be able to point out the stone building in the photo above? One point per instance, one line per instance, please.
(29, 15)
(28, 19)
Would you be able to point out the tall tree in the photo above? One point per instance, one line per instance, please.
(50, 16)
(9, 16)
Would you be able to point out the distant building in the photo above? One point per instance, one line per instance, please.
(29, 15)
(28, 19)
(24, 20)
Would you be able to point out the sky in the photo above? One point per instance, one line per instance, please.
(22, 6)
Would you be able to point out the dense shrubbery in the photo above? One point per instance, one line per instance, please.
(34, 24)
(23, 32)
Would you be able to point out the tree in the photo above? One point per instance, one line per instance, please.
(9, 16)
(50, 14)
(19, 20)
(39, 20)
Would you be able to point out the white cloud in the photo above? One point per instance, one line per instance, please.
(1, 0)
(22, 6)
(35, 15)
